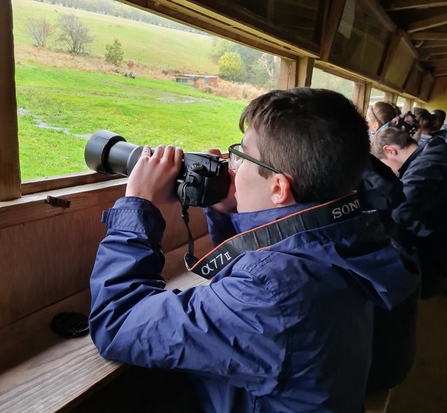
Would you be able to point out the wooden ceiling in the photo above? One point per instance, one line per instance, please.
(425, 21)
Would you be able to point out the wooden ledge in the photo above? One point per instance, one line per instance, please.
(42, 372)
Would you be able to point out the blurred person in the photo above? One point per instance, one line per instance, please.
(427, 124)
(440, 116)
(379, 115)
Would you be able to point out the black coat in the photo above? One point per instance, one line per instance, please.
(382, 190)
(422, 217)
(394, 339)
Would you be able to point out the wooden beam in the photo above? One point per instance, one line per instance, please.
(427, 84)
(361, 95)
(408, 105)
(419, 44)
(305, 71)
(391, 97)
(287, 74)
(395, 5)
(436, 51)
(424, 24)
(295, 73)
(9, 142)
(430, 44)
(391, 53)
(428, 36)
(335, 14)
(414, 66)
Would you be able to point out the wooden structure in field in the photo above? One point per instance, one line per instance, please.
(46, 254)
(194, 80)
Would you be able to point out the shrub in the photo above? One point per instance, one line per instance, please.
(114, 53)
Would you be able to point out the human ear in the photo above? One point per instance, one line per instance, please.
(281, 190)
(389, 150)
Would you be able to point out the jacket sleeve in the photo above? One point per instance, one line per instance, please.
(221, 330)
(379, 188)
(220, 227)
(425, 190)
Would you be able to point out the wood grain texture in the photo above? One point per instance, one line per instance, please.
(47, 253)
(9, 142)
(41, 372)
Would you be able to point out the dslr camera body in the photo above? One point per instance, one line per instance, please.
(203, 179)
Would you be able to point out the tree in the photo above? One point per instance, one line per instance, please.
(114, 53)
(271, 65)
(39, 30)
(219, 47)
(231, 67)
(74, 33)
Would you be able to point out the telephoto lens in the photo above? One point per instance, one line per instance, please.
(203, 179)
(109, 153)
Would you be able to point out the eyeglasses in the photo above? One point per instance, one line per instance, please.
(237, 157)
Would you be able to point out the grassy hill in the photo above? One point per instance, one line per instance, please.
(142, 43)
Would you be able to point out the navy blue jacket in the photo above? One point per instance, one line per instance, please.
(424, 176)
(285, 329)
(422, 217)
(380, 189)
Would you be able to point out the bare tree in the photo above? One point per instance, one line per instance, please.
(74, 33)
(39, 30)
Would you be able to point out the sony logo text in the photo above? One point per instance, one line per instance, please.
(345, 209)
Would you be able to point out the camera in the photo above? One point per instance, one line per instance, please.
(203, 179)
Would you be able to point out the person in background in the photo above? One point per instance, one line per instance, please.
(427, 124)
(379, 188)
(422, 217)
(396, 108)
(394, 339)
(284, 328)
(440, 116)
(379, 115)
(406, 122)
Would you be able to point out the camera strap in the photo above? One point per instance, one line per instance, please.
(266, 235)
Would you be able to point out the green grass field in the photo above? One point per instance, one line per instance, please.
(60, 108)
(142, 43)
(144, 111)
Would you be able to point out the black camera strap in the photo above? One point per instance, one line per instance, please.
(264, 236)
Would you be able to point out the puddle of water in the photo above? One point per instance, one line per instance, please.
(43, 125)
(183, 99)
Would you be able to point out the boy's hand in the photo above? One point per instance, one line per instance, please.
(153, 177)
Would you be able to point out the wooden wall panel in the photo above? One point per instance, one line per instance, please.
(48, 258)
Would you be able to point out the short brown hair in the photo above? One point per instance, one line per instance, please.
(390, 136)
(316, 136)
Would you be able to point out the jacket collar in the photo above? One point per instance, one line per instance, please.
(246, 221)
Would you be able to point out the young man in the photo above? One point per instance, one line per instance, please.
(422, 217)
(287, 328)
